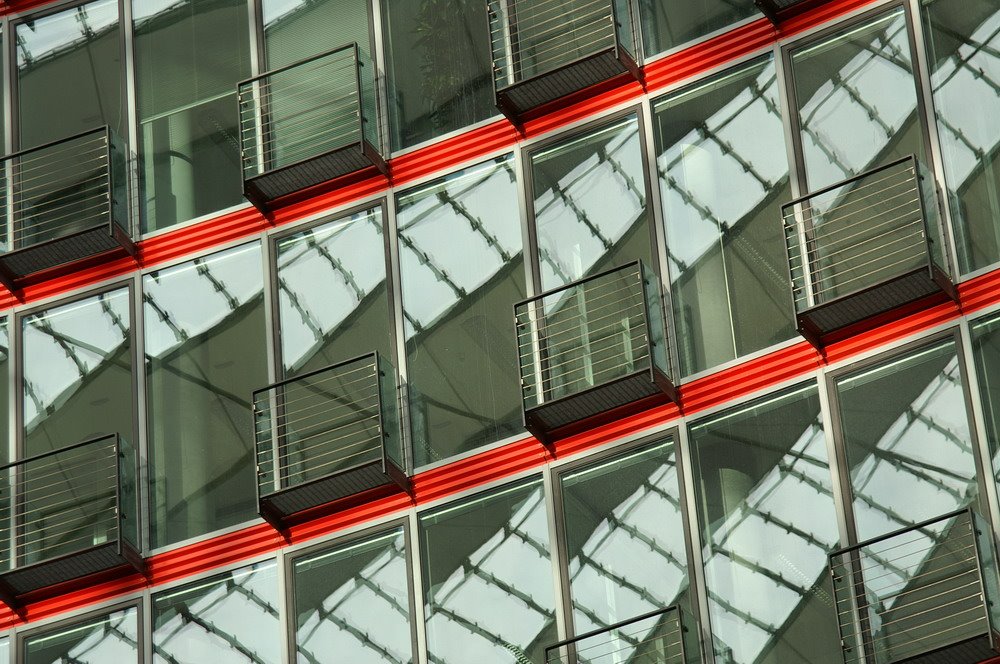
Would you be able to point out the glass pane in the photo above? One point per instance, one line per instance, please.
(462, 271)
(111, 638)
(986, 350)
(205, 354)
(590, 204)
(667, 24)
(297, 29)
(765, 506)
(963, 43)
(857, 100)
(349, 315)
(488, 579)
(5, 368)
(354, 600)
(189, 57)
(439, 67)
(71, 55)
(723, 175)
(625, 539)
(5, 651)
(909, 448)
(77, 372)
(228, 619)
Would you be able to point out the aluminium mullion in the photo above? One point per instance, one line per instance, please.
(397, 336)
(273, 356)
(552, 492)
(419, 618)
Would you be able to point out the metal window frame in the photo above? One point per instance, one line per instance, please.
(20, 637)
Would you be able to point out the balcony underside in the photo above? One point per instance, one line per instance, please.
(525, 98)
(334, 491)
(58, 573)
(588, 408)
(354, 161)
(970, 651)
(870, 307)
(781, 10)
(17, 267)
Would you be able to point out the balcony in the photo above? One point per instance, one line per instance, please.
(545, 50)
(781, 10)
(328, 439)
(62, 203)
(653, 638)
(66, 516)
(922, 595)
(592, 351)
(865, 250)
(309, 123)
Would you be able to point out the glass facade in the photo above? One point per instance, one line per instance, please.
(667, 24)
(110, 638)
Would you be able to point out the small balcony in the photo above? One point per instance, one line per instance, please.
(654, 638)
(66, 516)
(865, 250)
(592, 351)
(547, 50)
(922, 595)
(328, 439)
(62, 203)
(309, 123)
(781, 10)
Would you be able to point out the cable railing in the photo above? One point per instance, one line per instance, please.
(652, 638)
(326, 435)
(62, 202)
(930, 588)
(67, 514)
(593, 335)
(864, 246)
(308, 122)
(547, 49)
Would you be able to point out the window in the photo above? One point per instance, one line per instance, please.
(77, 372)
(590, 203)
(765, 506)
(110, 638)
(963, 40)
(624, 532)
(906, 433)
(723, 175)
(986, 350)
(74, 54)
(667, 24)
(297, 29)
(349, 315)
(354, 600)
(488, 579)
(205, 353)
(189, 57)
(462, 271)
(439, 67)
(227, 619)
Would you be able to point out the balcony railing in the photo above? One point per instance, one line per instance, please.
(864, 249)
(326, 437)
(594, 348)
(61, 203)
(308, 123)
(782, 10)
(67, 515)
(544, 50)
(926, 594)
(653, 638)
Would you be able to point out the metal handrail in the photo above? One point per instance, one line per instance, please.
(672, 652)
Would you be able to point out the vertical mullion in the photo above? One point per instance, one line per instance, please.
(978, 424)
(395, 286)
(557, 552)
(417, 586)
(141, 426)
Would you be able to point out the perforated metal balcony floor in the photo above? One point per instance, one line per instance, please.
(971, 651)
(780, 10)
(112, 558)
(353, 161)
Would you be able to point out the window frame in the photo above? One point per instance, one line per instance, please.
(19, 638)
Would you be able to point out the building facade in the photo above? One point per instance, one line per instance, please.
(533, 331)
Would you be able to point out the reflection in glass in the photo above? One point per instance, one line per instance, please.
(857, 100)
(73, 55)
(228, 619)
(439, 67)
(77, 372)
(765, 506)
(723, 175)
(189, 56)
(590, 204)
(667, 24)
(986, 350)
(205, 352)
(909, 447)
(5, 651)
(488, 579)
(625, 539)
(348, 315)
(462, 271)
(353, 600)
(963, 44)
(297, 29)
(110, 638)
